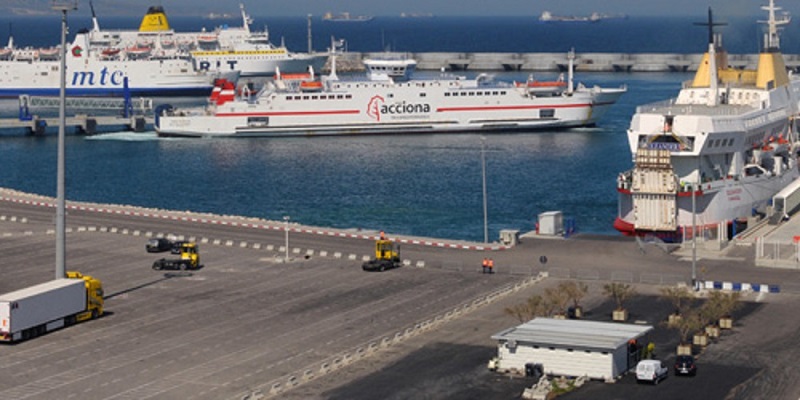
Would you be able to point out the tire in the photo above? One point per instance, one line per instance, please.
(157, 266)
(183, 266)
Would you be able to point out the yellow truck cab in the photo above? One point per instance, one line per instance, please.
(94, 296)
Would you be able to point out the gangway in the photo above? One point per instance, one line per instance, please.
(127, 106)
(786, 202)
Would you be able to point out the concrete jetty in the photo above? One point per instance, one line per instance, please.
(584, 62)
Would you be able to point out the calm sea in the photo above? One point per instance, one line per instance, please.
(428, 185)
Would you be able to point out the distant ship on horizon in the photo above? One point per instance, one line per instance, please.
(346, 17)
(547, 16)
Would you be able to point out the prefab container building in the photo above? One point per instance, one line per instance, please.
(566, 347)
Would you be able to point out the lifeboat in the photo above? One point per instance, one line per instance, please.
(48, 53)
(5, 53)
(311, 86)
(207, 40)
(109, 53)
(138, 52)
(534, 86)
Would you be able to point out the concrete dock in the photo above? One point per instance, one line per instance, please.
(252, 325)
(557, 62)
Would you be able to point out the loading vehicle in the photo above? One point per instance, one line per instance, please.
(387, 256)
(36, 310)
(189, 259)
(685, 365)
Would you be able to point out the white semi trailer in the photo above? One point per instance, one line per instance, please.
(32, 311)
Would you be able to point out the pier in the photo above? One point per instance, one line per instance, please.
(557, 62)
(131, 114)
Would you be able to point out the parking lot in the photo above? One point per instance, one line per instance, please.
(250, 324)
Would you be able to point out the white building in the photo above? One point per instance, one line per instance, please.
(566, 347)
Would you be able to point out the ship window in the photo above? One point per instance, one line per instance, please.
(547, 113)
(463, 93)
(494, 93)
(288, 97)
(314, 97)
(305, 97)
(472, 93)
(479, 93)
(390, 95)
(423, 94)
(503, 93)
(348, 96)
(446, 94)
(339, 96)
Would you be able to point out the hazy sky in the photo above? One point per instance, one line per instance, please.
(436, 7)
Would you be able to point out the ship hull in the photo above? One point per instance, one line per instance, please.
(378, 110)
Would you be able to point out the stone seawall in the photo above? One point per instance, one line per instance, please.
(584, 62)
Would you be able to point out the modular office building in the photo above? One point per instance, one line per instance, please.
(566, 347)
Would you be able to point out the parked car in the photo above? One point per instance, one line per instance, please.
(157, 245)
(652, 371)
(684, 365)
(177, 246)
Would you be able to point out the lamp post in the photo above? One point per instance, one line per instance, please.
(61, 242)
(286, 229)
(694, 236)
(483, 178)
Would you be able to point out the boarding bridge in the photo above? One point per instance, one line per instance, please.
(126, 106)
(785, 203)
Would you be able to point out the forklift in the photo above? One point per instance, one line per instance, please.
(387, 256)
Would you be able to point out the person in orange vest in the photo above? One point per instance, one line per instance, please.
(383, 236)
(485, 264)
(491, 266)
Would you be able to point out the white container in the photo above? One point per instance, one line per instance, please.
(46, 303)
(551, 223)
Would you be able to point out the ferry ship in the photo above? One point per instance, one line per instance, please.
(716, 154)
(388, 101)
(345, 17)
(91, 72)
(224, 49)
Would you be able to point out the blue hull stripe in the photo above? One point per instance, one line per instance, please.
(104, 92)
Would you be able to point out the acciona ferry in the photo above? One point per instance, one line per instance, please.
(387, 102)
(717, 153)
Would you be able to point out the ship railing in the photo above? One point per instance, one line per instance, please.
(669, 107)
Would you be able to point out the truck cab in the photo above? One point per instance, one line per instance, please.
(94, 296)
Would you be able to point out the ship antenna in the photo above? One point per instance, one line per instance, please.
(773, 41)
(712, 58)
(10, 44)
(95, 25)
(246, 21)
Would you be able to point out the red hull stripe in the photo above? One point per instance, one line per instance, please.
(504, 108)
(287, 113)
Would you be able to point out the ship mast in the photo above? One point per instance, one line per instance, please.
(713, 97)
(773, 40)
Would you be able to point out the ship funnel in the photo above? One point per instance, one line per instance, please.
(155, 20)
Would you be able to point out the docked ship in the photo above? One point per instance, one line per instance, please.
(388, 101)
(90, 72)
(716, 154)
(221, 50)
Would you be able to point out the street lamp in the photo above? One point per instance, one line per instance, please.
(286, 229)
(694, 236)
(61, 239)
(483, 178)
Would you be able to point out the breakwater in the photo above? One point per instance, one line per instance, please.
(584, 62)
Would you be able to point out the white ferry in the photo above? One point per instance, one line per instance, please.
(92, 73)
(717, 153)
(384, 104)
(224, 49)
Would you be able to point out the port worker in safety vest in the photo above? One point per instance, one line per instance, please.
(485, 264)
(491, 266)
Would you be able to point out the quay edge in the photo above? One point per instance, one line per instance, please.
(556, 62)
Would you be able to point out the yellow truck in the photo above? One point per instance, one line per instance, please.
(39, 309)
(190, 258)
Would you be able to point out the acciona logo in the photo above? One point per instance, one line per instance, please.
(377, 106)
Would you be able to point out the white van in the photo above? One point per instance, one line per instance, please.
(651, 371)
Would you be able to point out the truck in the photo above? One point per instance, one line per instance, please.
(387, 256)
(190, 258)
(36, 310)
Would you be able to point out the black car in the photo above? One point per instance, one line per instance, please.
(157, 245)
(684, 365)
(177, 246)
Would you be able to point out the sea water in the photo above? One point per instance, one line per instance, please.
(427, 185)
